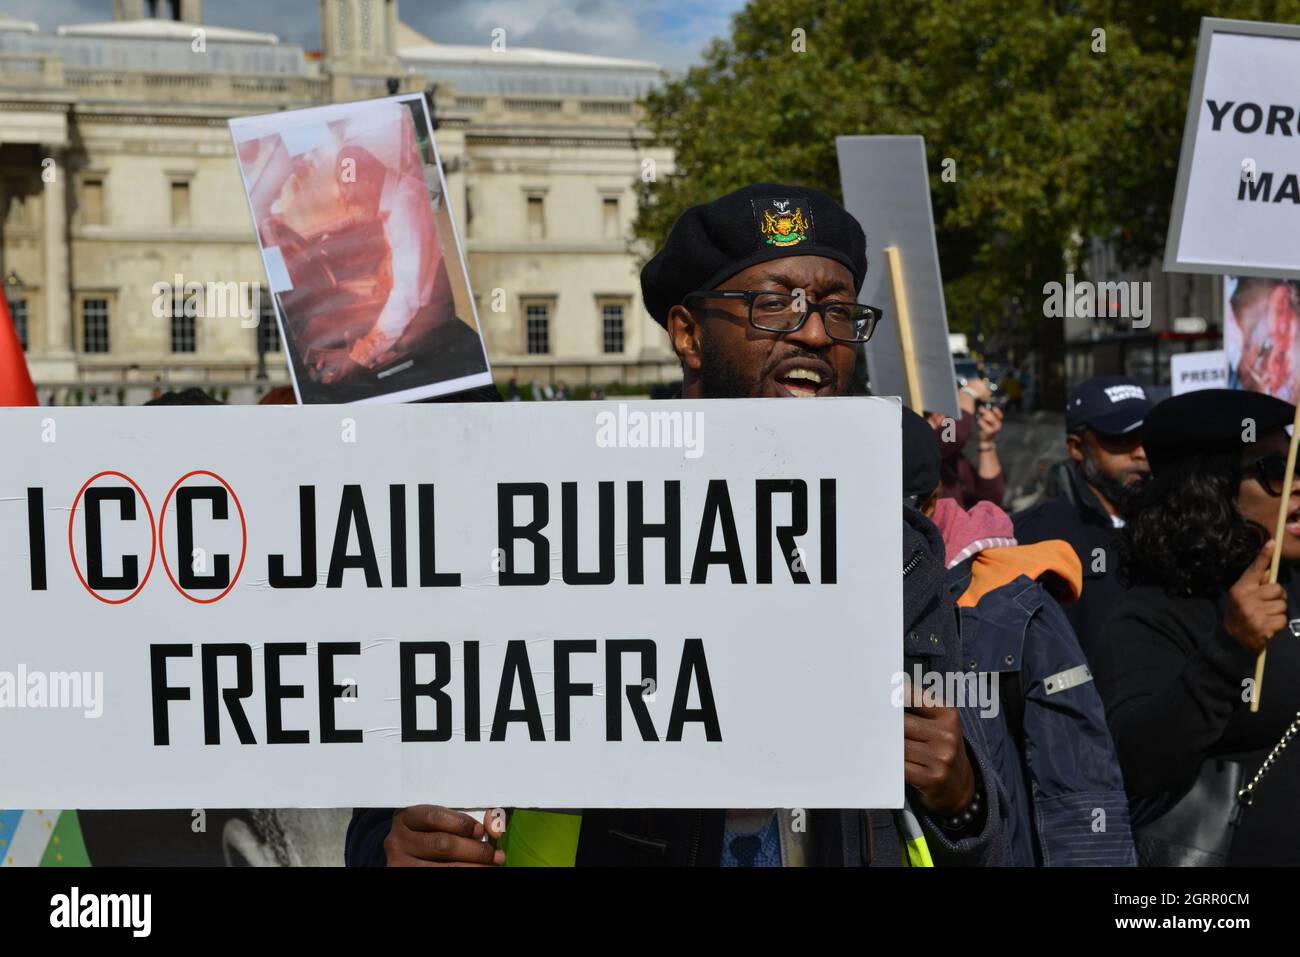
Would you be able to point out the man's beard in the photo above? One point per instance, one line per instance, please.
(719, 379)
(1121, 494)
(722, 380)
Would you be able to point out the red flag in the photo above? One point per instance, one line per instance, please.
(15, 381)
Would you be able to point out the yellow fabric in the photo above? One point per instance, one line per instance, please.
(995, 567)
(549, 839)
(916, 852)
(536, 838)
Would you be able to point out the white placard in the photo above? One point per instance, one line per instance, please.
(177, 639)
(1237, 204)
(372, 293)
(1190, 371)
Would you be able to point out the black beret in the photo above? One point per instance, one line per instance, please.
(712, 242)
(1209, 419)
(920, 456)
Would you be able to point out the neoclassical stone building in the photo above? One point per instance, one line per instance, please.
(117, 173)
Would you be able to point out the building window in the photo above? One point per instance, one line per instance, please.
(367, 35)
(14, 208)
(92, 202)
(611, 322)
(538, 329)
(344, 21)
(94, 325)
(180, 203)
(536, 218)
(18, 309)
(613, 229)
(184, 335)
(268, 333)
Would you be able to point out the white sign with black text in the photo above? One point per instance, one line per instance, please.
(650, 604)
(1190, 371)
(1237, 202)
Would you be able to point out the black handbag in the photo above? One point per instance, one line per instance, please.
(1198, 830)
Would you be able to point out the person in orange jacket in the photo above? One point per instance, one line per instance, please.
(1040, 715)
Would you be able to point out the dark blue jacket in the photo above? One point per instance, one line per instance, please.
(1048, 740)
(841, 838)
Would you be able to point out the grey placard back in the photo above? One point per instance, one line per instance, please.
(887, 189)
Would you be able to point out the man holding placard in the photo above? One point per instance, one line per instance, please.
(757, 292)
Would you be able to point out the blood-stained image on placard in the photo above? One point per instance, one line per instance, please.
(360, 251)
(1261, 333)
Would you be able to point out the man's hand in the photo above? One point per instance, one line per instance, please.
(990, 423)
(975, 390)
(981, 387)
(1255, 610)
(935, 762)
(429, 836)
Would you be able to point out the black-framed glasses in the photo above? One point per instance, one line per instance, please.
(781, 312)
(1270, 470)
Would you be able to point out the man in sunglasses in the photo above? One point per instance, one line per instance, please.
(1106, 471)
(757, 291)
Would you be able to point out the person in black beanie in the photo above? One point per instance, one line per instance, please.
(758, 293)
(1176, 663)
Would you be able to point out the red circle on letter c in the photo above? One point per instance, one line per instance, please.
(153, 538)
(243, 527)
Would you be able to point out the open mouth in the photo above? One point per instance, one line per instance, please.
(804, 380)
(1293, 518)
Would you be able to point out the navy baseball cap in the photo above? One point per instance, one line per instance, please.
(1109, 404)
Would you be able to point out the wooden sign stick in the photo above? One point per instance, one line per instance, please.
(1278, 532)
(894, 257)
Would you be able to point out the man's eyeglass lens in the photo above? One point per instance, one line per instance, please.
(777, 312)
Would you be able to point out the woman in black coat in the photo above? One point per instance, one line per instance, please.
(1177, 661)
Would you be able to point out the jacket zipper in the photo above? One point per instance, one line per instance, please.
(910, 565)
(695, 838)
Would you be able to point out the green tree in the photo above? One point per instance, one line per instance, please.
(1055, 141)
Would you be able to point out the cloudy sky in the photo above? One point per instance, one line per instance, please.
(670, 32)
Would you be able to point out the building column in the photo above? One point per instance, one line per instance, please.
(58, 303)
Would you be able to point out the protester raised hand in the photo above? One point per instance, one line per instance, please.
(990, 423)
(1255, 610)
